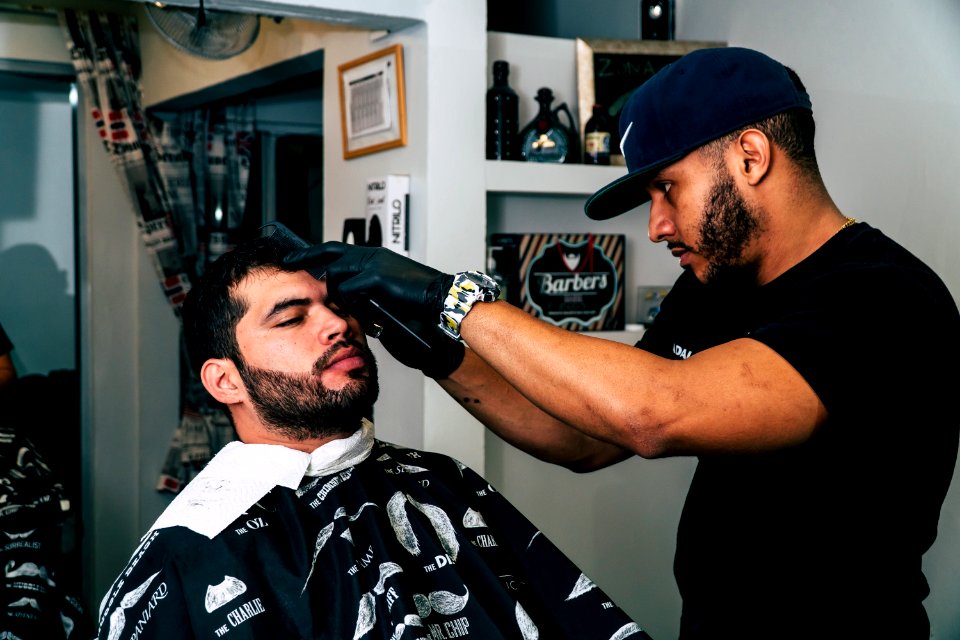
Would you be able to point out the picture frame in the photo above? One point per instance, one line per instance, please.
(609, 70)
(373, 115)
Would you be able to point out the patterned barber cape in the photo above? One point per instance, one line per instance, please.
(375, 541)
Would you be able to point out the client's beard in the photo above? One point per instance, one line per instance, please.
(299, 406)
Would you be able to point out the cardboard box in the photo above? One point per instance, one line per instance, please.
(571, 280)
(388, 201)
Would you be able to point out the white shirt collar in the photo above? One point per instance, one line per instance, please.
(241, 474)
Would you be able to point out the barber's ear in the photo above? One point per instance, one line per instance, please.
(753, 156)
(222, 380)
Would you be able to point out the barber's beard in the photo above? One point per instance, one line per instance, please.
(299, 406)
(728, 227)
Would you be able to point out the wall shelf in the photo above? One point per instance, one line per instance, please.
(540, 178)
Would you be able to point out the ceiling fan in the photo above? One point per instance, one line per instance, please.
(206, 33)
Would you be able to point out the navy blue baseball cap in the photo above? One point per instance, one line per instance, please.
(698, 98)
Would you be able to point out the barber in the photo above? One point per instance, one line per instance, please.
(826, 436)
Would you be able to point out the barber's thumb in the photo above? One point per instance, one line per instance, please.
(318, 254)
(299, 257)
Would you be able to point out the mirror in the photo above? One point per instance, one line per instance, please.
(40, 419)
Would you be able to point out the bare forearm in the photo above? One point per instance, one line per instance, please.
(498, 405)
(597, 386)
(723, 399)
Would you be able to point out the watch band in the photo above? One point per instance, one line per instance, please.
(468, 288)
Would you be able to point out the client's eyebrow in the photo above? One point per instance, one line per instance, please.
(286, 304)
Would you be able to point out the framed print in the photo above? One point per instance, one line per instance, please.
(373, 113)
(609, 70)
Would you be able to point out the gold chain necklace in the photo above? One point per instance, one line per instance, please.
(847, 223)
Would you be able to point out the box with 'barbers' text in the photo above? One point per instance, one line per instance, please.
(571, 280)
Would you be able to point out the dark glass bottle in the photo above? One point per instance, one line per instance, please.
(502, 116)
(545, 139)
(596, 137)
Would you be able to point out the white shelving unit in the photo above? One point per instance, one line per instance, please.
(524, 197)
(547, 179)
(532, 197)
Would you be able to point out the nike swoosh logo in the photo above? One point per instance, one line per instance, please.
(624, 139)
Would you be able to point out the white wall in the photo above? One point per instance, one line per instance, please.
(120, 336)
(25, 37)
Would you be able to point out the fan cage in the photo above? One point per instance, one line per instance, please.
(221, 35)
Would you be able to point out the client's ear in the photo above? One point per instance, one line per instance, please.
(221, 378)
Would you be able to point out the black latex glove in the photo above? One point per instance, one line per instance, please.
(395, 299)
(414, 343)
(357, 274)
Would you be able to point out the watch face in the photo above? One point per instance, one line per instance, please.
(488, 288)
(481, 279)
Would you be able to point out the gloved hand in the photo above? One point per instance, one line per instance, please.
(416, 344)
(403, 297)
(357, 274)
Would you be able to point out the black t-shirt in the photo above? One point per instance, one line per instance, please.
(828, 535)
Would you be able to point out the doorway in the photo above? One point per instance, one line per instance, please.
(39, 301)
(38, 225)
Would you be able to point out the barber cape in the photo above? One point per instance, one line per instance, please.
(359, 539)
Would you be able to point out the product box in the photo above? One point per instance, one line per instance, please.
(388, 201)
(571, 280)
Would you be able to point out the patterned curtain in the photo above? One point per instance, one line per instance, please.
(186, 174)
